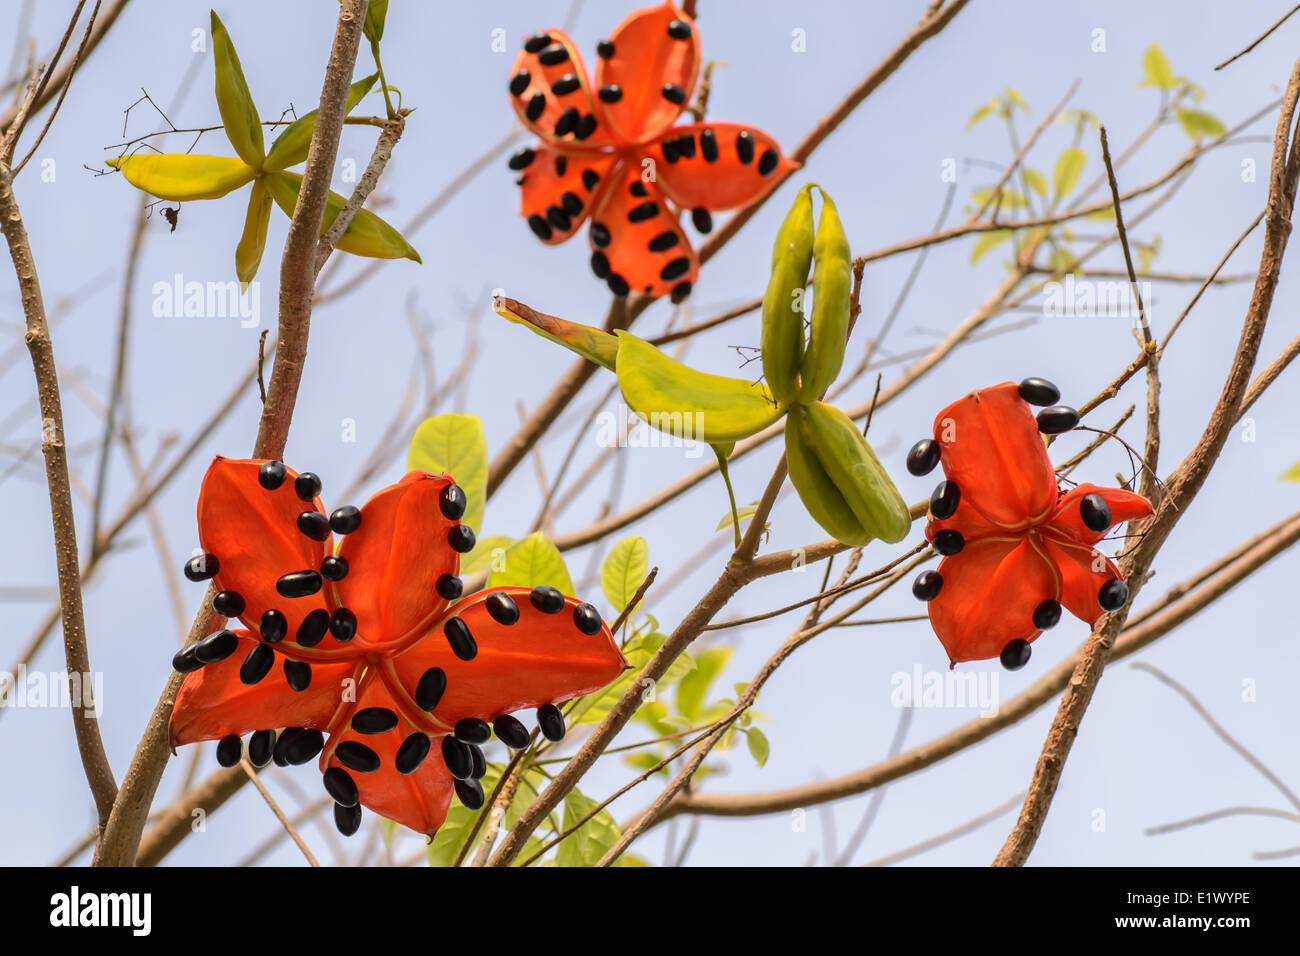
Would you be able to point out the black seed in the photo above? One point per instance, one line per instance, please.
(511, 732)
(449, 587)
(948, 541)
(357, 756)
(461, 539)
(471, 730)
(686, 146)
(590, 179)
(345, 520)
(522, 159)
(537, 42)
(257, 664)
(305, 746)
(518, 83)
(298, 674)
(271, 475)
(412, 753)
(216, 647)
(314, 525)
(551, 721)
(565, 85)
(306, 486)
(561, 166)
(586, 126)
(638, 189)
(374, 720)
(347, 819)
(547, 599)
(571, 203)
(664, 241)
(553, 55)
(618, 285)
(1056, 419)
(273, 626)
(604, 49)
(202, 567)
(299, 584)
(185, 661)
(767, 162)
(536, 103)
(923, 457)
(679, 30)
(281, 744)
(675, 269)
(1047, 614)
(260, 747)
(611, 93)
(927, 585)
(567, 122)
(457, 757)
(229, 749)
(1039, 391)
(944, 499)
(340, 785)
(479, 770)
(430, 688)
(647, 210)
(680, 291)
(702, 220)
(599, 235)
(461, 640)
(558, 218)
(470, 793)
(502, 607)
(1112, 595)
(600, 264)
(587, 619)
(674, 93)
(745, 147)
(334, 568)
(228, 603)
(313, 627)
(1095, 512)
(1015, 655)
(670, 151)
(452, 502)
(343, 625)
(539, 227)
(709, 146)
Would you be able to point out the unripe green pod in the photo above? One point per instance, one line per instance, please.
(234, 102)
(816, 489)
(782, 334)
(829, 329)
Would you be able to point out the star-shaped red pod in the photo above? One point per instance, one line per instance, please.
(610, 152)
(1016, 548)
(367, 655)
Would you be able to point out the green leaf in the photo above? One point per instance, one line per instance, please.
(291, 146)
(532, 562)
(238, 112)
(179, 177)
(587, 845)
(593, 708)
(623, 570)
(1036, 180)
(366, 235)
(695, 685)
(1158, 71)
(759, 748)
(454, 444)
(988, 241)
(1292, 473)
(486, 551)
(1101, 215)
(387, 830)
(743, 512)
(981, 113)
(451, 836)
(1011, 199)
(1198, 122)
(1069, 166)
(376, 14)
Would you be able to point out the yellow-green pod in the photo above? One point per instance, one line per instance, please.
(366, 235)
(829, 329)
(816, 489)
(179, 177)
(856, 472)
(248, 254)
(238, 111)
(290, 147)
(782, 333)
(595, 345)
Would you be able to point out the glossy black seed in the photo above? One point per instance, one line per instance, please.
(599, 264)
(1112, 595)
(702, 220)
(412, 753)
(586, 126)
(522, 159)
(314, 525)
(470, 793)
(347, 819)
(611, 93)
(452, 502)
(298, 674)
(216, 647)
(604, 49)
(185, 661)
(646, 210)
(948, 541)
(567, 122)
(558, 218)
(345, 520)
(1015, 655)
(456, 756)
(590, 179)
(599, 235)
(1056, 419)
(561, 166)
(305, 746)
(551, 721)
(471, 730)
(675, 269)
(511, 732)
(357, 756)
(709, 146)
(536, 104)
(571, 203)
(1047, 614)
(229, 749)
(923, 457)
(461, 539)
(944, 499)
(537, 42)
(271, 475)
(228, 603)
(767, 162)
(257, 664)
(374, 720)
(260, 748)
(449, 587)
(553, 55)
(664, 241)
(306, 486)
(587, 619)
(313, 627)
(686, 146)
(674, 93)
(430, 688)
(479, 769)
(518, 83)
(546, 599)
(565, 85)
(299, 584)
(334, 568)
(680, 291)
(927, 585)
(1095, 512)
(202, 567)
(340, 785)
(502, 607)
(541, 229)
(1039, 391)
(638, 189)
(343, 625)
(679, 30)
(669, 148)
(273, 626)
(281, 744)
(745, 146)
(618, 285)
(460, 639)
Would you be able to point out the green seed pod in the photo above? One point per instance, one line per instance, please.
(829, 329)
(248, 254)
(366, 235)
(782, 335)
(238, 113)
(816, 489)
